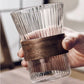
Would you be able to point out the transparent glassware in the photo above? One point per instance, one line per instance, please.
(48, 21)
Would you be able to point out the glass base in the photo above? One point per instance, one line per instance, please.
(48, 76)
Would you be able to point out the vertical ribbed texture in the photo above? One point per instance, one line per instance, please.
(40, 17)
(39, 22)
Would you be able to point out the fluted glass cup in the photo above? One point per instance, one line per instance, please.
(40, 22)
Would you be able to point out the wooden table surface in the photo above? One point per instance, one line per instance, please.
(21, 76)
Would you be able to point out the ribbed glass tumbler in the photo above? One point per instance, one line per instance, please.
(40, 30)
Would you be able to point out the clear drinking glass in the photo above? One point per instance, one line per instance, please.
(48, 20)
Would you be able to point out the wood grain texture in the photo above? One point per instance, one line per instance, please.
(43, 47)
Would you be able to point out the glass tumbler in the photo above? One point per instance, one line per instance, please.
(40, 30)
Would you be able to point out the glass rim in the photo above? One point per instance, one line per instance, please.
(44, 6)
